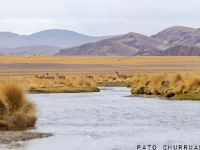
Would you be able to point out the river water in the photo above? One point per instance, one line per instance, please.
(112, 120)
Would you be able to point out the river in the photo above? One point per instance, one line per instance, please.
(112, 120)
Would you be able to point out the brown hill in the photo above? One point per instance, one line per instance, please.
(179, 41)
(124, 45)
(174, 35)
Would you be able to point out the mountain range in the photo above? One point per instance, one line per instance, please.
(41, 43)
(173, 41)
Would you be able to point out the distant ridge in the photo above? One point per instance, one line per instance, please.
(123, 45)
(176, 40)
(53, 39)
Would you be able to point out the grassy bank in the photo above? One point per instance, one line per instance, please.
(174, 86)
(70, 84)
(185, 86)
(182, 86)
(16, 112)
(54, 84)
(113, 80)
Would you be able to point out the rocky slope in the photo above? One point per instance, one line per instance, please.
(180, 51)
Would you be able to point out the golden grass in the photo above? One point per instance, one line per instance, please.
(112, 80)
(157, 75)
(101, 59)
(16, 112)
(132, 64)
(173, 86)
(71, 84)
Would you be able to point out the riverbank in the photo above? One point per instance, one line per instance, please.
(179, 86)
(7, 137)
(170, 86)
(52, 83)
(17, 114)
(113, 120)
(64, 90)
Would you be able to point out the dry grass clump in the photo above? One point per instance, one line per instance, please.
(173, 86)
(112, 80)
(16, 112)
(68, 84)
(72, 84)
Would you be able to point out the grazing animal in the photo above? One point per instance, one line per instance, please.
(42, 77)
(49, 77)
(39, 77)
(60, 77)
(121, 76)
(89, 76)
(45, 77)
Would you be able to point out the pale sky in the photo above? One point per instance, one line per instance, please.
(98, 17)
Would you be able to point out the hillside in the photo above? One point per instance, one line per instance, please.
(174, 35)
(180, 51)
(124, 45)
(50, 39)
(177, 40)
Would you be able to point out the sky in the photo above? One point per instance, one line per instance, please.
(98, 17)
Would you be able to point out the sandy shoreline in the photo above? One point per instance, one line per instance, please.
(7, 137)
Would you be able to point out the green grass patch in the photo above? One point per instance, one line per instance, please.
(189, 96)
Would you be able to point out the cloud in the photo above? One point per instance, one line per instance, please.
(97, 17)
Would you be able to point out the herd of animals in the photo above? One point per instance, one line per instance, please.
(62, 77)
(50, 77)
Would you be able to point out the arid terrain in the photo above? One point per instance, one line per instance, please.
(99, 75)
(174, 78)
(75, 74)
(32, 65)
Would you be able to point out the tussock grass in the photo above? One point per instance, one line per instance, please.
(112, 80)
(16, 112)
(172, 86)
(169, 85)
(71, 84)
